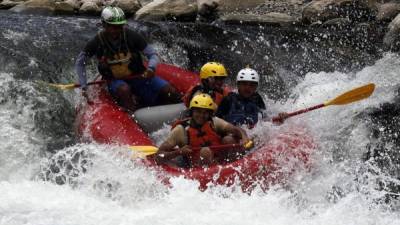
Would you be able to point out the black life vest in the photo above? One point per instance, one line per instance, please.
(242, 111)
(120, 62)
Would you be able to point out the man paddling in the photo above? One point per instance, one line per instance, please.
(246, 106)
(196, 135)
(212, 77)
(118, 51)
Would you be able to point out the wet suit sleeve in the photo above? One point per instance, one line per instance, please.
(80, 68)
(151, 54)
(141, 45)
(80, 63)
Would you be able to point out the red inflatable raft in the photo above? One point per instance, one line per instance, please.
(105, 122)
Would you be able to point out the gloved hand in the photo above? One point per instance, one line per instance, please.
(185, 150)
(280, 118)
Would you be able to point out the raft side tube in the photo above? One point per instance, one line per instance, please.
(153, 118)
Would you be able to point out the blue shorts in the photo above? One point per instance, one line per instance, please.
(146, 90)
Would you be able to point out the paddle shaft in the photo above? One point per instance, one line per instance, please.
(276, 119)
(221, 147)
(354, 95)
(92, 83)
(150, 150)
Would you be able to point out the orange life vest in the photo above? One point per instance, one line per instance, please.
(216, 95)
(198, 137)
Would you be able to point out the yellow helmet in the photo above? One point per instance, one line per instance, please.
(212, 69)
(203, 101)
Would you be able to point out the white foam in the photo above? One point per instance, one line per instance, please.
(329, 194)
(19, 144)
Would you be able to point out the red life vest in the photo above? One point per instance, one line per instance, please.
(199, 137)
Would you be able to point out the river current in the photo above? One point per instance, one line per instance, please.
(37, 129)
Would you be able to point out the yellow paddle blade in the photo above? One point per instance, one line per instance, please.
(353, 95)
(143, 150)
(60, 86)
(63, 86)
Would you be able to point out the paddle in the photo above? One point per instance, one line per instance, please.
(343, 99)
(145, 150)
(72, 86)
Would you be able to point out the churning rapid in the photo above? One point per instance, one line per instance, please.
(355, 173)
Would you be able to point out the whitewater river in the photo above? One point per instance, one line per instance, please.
(37, 129)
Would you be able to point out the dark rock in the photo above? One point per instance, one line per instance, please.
(8, 4)
(275, 19)
(168, 10)
(392, 37)
(324, 10)
(43, 7)
(387, 12)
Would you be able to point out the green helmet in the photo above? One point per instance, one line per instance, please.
(113, 15)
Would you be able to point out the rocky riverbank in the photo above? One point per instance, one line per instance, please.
(270, 12)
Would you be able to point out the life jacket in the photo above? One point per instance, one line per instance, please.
(119, 61)
(242, 111)
(203, 136)
(216, 95)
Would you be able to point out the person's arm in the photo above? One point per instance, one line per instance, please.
(167, 152)
(229, 128)
(278, 120)
(141, 45)
(238, 132)
(167, 149)
(80, 69)
(261, 105)
(152, 56)
(80, 63)
(282, 116)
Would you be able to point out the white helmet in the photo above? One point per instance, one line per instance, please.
(113, 15)
(248, 74)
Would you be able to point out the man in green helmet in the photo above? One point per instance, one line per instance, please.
(118, 51)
